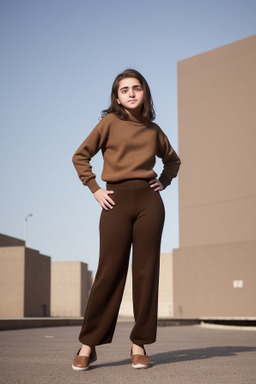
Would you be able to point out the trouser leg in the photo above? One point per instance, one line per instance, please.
(137, 217)
(107, 291)
(147, 231)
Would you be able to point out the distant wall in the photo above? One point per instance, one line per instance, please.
(12, 281)
(24, 283)
(216, 280)
(32, 286)
(126, 308)
(217, 136)
(70, 285)
(165, 300)
(8, 241)
(37, 284)
(214, 268)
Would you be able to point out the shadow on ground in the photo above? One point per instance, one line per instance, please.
(185, 355)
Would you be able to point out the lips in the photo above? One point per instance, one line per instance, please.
(132, 101)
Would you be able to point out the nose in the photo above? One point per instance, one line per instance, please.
(131, 92)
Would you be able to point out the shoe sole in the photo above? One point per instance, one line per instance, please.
(80, 369)
(140, 366)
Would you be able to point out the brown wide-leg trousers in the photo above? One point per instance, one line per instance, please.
(137, 219)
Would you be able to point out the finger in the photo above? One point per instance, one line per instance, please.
(108, 198)
(108, 204)
(101, 202)
(159, 188)
(111, 201)
(103, 205)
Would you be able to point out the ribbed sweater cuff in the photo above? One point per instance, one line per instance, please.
(164, 181)
(93, 185)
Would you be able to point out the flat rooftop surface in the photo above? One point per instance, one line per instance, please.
(181, 355)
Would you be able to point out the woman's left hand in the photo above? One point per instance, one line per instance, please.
(156, 184)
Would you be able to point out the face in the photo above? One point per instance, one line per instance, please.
(130, 94)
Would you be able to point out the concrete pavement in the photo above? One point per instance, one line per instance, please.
(181, 355)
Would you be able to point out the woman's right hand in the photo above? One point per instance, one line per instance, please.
(103, 198)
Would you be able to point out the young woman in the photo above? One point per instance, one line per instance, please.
(132, 214)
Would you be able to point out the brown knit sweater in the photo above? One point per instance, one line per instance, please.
(129, 148)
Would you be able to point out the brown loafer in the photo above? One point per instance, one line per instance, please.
(82, 363)
(140, 361)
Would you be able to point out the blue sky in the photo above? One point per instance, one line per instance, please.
(58, 61)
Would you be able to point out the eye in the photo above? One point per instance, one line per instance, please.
(138, 89)
(124, 91)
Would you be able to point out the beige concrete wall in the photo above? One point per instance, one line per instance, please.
(86, 283)
(165, 302)
(216, 280)
(8, 241)
(217, 184)
(69, 288)
(24, 283)
(37, 284)
(217, 136)
(12, 266)
(126, 308)
(26, 286)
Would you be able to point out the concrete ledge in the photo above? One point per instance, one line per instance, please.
(177, 322)
(238, 322)
(38, 322)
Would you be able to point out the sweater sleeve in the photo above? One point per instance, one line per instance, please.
(170, 159)
(81, 159)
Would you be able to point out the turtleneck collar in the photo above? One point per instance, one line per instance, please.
(136, 119)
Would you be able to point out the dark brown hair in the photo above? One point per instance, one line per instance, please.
(147, 112)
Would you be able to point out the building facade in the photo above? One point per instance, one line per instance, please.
(70, 286)
(24, 280)
(33, 286)
(215, 266)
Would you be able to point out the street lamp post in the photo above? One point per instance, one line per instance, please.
(25, 226)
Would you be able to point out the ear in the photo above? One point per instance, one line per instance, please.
(118, 101)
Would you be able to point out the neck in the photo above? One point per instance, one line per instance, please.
(134, 116)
